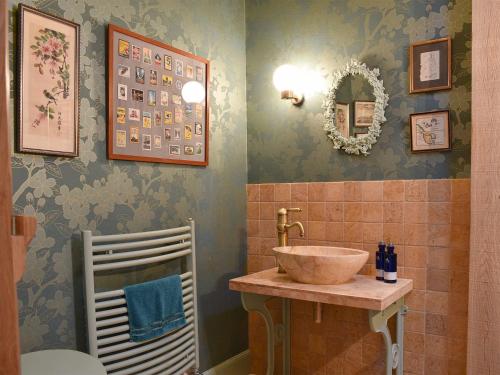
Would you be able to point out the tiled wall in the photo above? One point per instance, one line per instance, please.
(429, 222)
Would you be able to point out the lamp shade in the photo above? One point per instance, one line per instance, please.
(193, 92)
(286, 77)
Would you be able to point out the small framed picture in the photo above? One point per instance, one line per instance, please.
(175, 150)
(134, 135)
(121, 138)
(167, 62)
(136, 53)
(123, 71)
(360, 135)
(363, 114)
(146, 56)
(153, 77)
(152, 98)
(166, 80)
(137, 95)
(342, 118)
(134, 114)
(430, 131)
(157, 141)
(120, 115)
(123, 48)
(146, 142)
(122, 92)
(139, 74)
(430, 65)
(157, 59)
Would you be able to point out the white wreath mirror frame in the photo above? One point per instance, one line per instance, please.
(352, 145)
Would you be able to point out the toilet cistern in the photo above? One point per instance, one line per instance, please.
(283, 227)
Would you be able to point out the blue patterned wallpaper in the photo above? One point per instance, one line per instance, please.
(288, 144)
(91, 192)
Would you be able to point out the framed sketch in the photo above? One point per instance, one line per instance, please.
(361, 135)
(363, 113)
(430, 131)
(148, 118)
(342, 118)
(430, 65)
(48, 84)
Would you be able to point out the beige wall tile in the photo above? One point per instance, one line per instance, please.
(416, 256)
(252, 210)
(334, 211)
(316, 211)
(298, 192)
(393, 212)
(394, 191)
(352, 191)
(439, 213)
(253, 193)
(353, 211)
(282, 193)
(267, 211)
(253, 245)
(415, 212)
(372, 191)
(439, 190)
(267, 193)
(373, 212)
(316, 192)
(436, 302)
(460, 190)
(317, 230)
(416, 190)
(334, 191)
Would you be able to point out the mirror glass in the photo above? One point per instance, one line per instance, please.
(355, 105)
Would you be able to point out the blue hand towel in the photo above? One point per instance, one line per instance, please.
(155, 308)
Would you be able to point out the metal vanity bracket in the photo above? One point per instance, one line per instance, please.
(276, 333)
(378, 323)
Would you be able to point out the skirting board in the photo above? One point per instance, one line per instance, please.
(237, 365)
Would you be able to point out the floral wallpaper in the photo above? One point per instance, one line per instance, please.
(91, 192)
(288, 144)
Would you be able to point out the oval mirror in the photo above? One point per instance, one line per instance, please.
(354, 108)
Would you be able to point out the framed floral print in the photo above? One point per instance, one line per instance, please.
(430, 65)
(48, 98)
(430, 131)
(151, 117)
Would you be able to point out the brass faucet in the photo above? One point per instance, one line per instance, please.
(283, 227)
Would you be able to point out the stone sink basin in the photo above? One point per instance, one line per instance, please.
(320, 265)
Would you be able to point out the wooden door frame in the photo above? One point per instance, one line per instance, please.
(9, 327)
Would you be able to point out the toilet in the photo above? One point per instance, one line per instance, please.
(60, 362)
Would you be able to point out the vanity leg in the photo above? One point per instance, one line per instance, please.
(400, 326)
(286, 336)
(378, 323)
(257, 302)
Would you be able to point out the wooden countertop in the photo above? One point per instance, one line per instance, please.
(362, 292)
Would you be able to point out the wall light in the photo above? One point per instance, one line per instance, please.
(193, 92)
(286, 79)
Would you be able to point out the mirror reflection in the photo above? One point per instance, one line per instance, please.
(355, 104)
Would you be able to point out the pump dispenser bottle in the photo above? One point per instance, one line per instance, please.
(379, 260)
(390, 265)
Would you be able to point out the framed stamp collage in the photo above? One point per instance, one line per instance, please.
(148, 118)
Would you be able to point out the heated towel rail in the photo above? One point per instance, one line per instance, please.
(107, 319)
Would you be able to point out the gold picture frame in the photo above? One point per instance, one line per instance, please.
(430, 65)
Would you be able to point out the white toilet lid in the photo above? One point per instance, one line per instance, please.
(60, 362)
